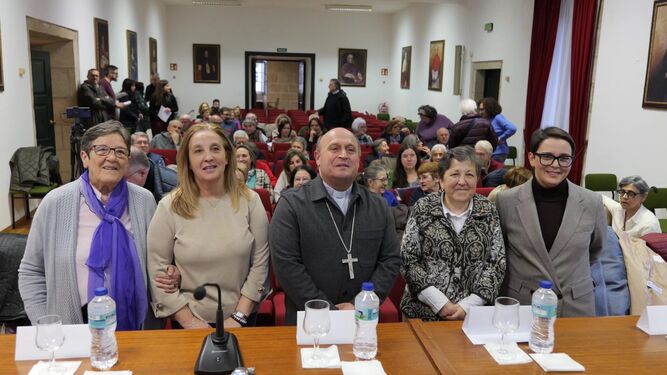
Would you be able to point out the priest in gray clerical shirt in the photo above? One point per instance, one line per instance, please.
(331, 234)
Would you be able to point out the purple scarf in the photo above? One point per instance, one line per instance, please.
(112, 251)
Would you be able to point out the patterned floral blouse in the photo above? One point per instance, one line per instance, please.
(471, 262)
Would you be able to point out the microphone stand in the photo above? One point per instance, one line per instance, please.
(220, 350)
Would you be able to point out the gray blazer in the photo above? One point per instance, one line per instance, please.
(47, 275)
(578, 244)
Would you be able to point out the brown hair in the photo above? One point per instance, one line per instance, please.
(517, 176)
(430, 167)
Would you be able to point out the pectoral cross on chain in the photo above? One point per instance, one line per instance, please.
(349, 262)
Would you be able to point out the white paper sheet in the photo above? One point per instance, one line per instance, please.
(557, 362)
(76, 345)
(342, 329)
(478, 326)
(653, 320)
(164, 113)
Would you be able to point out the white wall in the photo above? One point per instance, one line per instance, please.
(625, 138)
(239, 29)
(146, 17)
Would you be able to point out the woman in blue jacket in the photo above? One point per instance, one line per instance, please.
(490, 109)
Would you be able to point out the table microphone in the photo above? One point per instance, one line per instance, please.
(219, 353)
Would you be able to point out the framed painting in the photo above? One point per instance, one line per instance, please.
(436, 58)
(152, 55)
(101, 45)
(352, 67)
(406, 63)
(206, 63)
(132, 58)
(655, 84)
(2, 77)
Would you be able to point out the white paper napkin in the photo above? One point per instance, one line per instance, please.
(517, 355)
(557, 362)
(124, 372)
(373, 367)
(330, 354)
(41, 367)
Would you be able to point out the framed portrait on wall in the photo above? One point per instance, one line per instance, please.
(132, 57)
(101, 45)
(2, 76)
(406, 64)
(436, 58)
(152, 55)
(352, 67)
(655, 85)
(206, 63)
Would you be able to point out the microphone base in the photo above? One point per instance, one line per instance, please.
(218, 358)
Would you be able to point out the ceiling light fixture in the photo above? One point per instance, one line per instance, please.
(349, 8)
(218, 2)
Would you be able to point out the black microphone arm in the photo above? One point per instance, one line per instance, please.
(220, 334)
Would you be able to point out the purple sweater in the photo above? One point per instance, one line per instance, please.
(428, 132)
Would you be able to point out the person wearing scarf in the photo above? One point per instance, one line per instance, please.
(91, 233)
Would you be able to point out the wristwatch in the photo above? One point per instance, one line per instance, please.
(240, 318)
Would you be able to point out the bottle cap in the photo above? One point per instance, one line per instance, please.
(546, 284)
(367, 286)
(101, 291)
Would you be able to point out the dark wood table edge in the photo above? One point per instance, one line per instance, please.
(431, 348)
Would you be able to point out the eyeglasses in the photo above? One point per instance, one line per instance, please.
(628, 193)
(547, 159)
(384, 180)
(102, 150)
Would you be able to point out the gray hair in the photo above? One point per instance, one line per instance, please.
(240, 134)
(460, 154)
(410, 141)
(373, 171)
(468, 107)
(357, 123)
(138, 160)
(303, 141)
(377, 143)
(439, 146)
(137, 135)
(249, 121)
(102, 129)
(637, 181)
(485, 145)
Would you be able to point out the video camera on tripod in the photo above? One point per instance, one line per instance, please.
(77, 113)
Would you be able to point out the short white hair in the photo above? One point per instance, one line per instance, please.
(240, 134)
(484, 145)
(439, 146)
(357, 123)
(468, 107)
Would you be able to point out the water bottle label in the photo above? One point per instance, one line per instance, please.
(544, 311)
(366, 314)
(102, 321)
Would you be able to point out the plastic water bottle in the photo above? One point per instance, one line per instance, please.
(102, 324)
(367, 308)
(545, 304)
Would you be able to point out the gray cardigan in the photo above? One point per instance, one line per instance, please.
(47, 275)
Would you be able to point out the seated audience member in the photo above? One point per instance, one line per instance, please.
(169, 139)
(443, 136)
(429, 123)
(492, 171)
(292, 159)
(284, 133)
(407, 164)
(187, 230)
(186, 121)
(157, 179)
(453, 251)
(413, 141)
(257, 178)
(471, 127)
(250, 126)
(359, 129)
(514, 177)
(216, 120)
(140, 141)
(300, 175)
(300, 144)
(229, 123)
(438, 152)
(428, 182)
(241, 173)
(400, 120)
(312, 132)
(392, 133)
(204, 112)
(553, 228)
(236, 113)
(630, 215)
(309, 223)
(375, 178)
(78, 229)
(490, 110)
(381, 152)
(240, 137)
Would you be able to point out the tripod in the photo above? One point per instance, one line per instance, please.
(76, 164)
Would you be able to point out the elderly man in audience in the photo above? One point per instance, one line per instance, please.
(553, 228)
(443, 136)
(240, 137)
(453, 251)
(156, 178)
(492, 170)
(140, 141)
(90, 94)
(250, 126)
(169, 139)
(186, 121)
(138, 167)
(471, 127)
(630, 216)
(80, 228)
(438, 152)
(330, 235)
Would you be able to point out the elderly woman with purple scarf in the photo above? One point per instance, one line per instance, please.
(91, 233)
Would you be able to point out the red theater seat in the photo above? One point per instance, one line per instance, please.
(169, 156)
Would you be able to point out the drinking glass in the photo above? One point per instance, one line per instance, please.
(50, 337)
(506, 319)
(316, 323)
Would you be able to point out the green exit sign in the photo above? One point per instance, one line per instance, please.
(282, 50)
(488, 27)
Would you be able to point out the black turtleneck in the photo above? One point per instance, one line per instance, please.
(550, 203)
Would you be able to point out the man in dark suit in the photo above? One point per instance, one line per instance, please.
(336, 110)
(90, 94)
(553, 228)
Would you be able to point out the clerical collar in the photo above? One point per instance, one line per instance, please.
(336, 92)
(342, 198)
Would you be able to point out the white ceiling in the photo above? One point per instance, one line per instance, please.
(379, 6)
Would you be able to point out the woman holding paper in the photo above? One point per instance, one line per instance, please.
(163, 107)
(453, 251)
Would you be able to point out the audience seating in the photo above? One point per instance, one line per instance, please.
(394, 148)
(281, 146)
(657, 198)
(396, 294)
(36, 192)
(12, 312)
(601, 182)
(383, 116)
(279, 155)
(169, 156)
(266, 201)
(512, 154)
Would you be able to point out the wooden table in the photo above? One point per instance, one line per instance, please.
(271, 350)
(610, 345)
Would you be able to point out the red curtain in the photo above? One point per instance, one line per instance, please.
(545, 26)
(583, 43)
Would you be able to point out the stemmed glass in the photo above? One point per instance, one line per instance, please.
(316, 323)
(506, 319)
(50, 337)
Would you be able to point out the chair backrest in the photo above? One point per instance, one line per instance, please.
(512, 154)
(313, 164)
(279, 155)
(657, 198)
(266, 199)
(278, 167)
(394, 148)
(601, 182)
(168, 155)
(281, 146)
